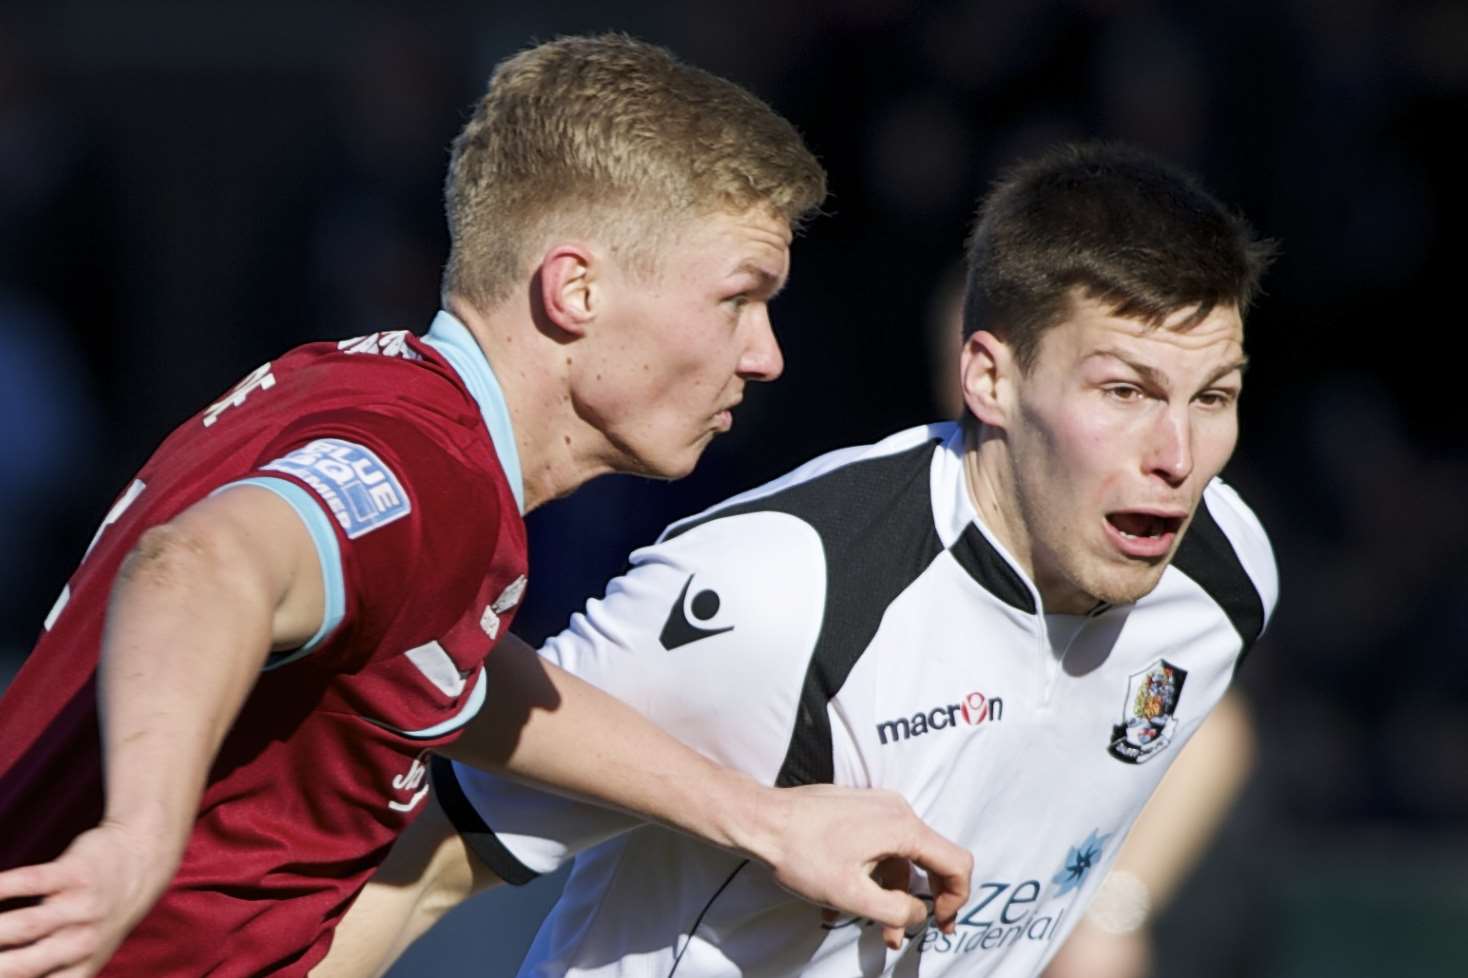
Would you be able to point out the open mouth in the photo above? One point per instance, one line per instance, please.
(1144, 524)
(1140, 534)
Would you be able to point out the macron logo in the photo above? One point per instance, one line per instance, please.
(975, 709)
(678, 631)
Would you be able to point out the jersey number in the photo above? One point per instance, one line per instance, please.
(113, 515)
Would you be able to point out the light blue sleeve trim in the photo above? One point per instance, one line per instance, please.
(466, 712)
(328, 553)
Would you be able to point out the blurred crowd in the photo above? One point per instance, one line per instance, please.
(187, 190)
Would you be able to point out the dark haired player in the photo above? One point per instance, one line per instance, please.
(1016, 620)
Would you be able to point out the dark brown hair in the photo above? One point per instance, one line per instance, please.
(1110, 223)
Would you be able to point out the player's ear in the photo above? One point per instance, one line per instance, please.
(987, 373)
(569, 290)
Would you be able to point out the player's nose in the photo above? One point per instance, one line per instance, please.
(1169, 452)
(762, 359)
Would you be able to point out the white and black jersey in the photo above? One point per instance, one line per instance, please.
(854, 622)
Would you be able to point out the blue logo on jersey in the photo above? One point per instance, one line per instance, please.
(1010, 911)
(1079, 862)
(362, 493)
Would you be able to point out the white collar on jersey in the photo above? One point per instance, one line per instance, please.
(954, 511)
(453, 340)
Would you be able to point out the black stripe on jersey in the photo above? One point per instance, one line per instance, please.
(977, 555)
(471, 826)
(875, 521)
(1207, 556)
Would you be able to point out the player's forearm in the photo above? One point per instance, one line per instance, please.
(382, 922)
(1173, 830)
(545, 726)
(1113, 939)
(188, 628)
(821, 843)
(428, 872)
(630, 764)
(1192, 801)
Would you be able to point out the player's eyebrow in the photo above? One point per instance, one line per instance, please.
(769, 283)
(1156, 378)
(1241, 365)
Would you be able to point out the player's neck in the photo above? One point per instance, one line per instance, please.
(557, 448)
(991, 488)
(989, 473)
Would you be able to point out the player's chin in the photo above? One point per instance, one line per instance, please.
(677, 464)
(1128, 584)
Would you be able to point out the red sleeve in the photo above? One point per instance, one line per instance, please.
(417, 519)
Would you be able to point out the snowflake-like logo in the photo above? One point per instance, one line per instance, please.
(1079, 861)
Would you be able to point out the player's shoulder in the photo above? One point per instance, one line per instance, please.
(377, 420)
(392, 385)
(392, 367)
(796, 532)
(838, 529)
(837, 490)
(1228, 553)
(1246, 534)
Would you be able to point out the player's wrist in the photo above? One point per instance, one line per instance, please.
(153, 836)
(747, 816)
(131, 870)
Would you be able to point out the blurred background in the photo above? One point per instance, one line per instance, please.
(188, 189)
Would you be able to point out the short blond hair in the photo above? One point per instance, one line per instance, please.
(610, 136)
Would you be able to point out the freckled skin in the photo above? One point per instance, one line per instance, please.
(672, 356)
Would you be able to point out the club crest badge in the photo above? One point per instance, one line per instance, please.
(1147, 723)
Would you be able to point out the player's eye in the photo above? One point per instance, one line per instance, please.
(1125, 393)
(1216, 398)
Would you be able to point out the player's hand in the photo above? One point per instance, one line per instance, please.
(90, 898)
(1090, 952)
(851, 849)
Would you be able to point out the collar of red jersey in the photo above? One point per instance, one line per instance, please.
(452, 339)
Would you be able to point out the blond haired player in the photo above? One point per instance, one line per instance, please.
(226, 720)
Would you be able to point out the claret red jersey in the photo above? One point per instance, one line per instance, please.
(397, 454)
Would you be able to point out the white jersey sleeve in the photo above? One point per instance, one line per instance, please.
(710, 636)
(1250, 543)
